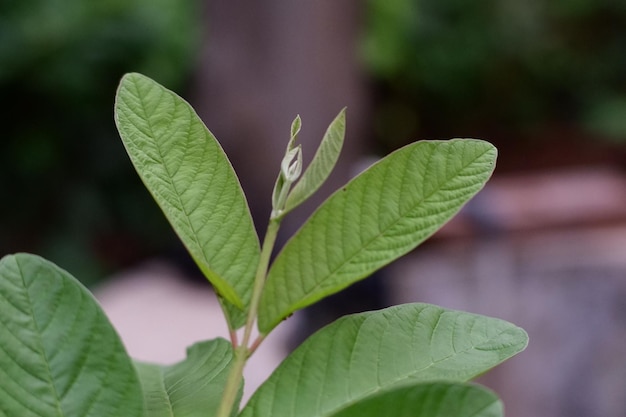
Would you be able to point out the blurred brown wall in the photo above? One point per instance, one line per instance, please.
(263, 63)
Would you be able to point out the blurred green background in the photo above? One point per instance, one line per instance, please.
(494, 65)
(527, 72)
(68, 190)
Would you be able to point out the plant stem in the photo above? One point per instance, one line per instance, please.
(259, 280)
(233, 383)
(233, 336)
(256, 344)
(242, 352)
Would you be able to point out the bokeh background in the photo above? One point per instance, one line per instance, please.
(544, 245)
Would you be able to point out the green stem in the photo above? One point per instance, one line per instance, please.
(261, 273)
(242, 352)
(233, 383)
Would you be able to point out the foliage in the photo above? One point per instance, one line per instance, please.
(60, 61)
(59, 355)
(498, 64)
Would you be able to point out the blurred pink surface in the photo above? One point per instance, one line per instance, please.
(158, 313)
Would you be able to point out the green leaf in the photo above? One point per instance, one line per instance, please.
(191, 388)
(437, 399)
(296, 125)
(59, 354)
(322, 164)
(379, 216)
(190, 177)
(362, 354)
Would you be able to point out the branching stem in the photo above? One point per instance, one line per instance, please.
(256, 344)
(233, 337)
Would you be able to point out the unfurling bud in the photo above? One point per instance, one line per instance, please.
(291, 165)
(290, 170)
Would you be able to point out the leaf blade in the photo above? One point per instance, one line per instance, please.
(361, 354)
(379, 216)
(188, 174)
(436, 399)
(59, 354)
(190, 388)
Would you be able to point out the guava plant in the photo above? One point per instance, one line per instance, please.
(60, 356)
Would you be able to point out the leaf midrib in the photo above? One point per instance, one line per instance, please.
(39, 338)
(170, 406)
(170, 179)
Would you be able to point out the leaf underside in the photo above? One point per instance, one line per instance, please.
(379, 216)
(188, 174)
(362, 354)
(436, 399)
(59, 354)
(191, 388)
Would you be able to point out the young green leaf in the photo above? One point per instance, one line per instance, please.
(59, 354)
(322, 164)
(379, 216)
(184, 167)
(362, 354)
(191, 388)
(296, 125)
(435, 399)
